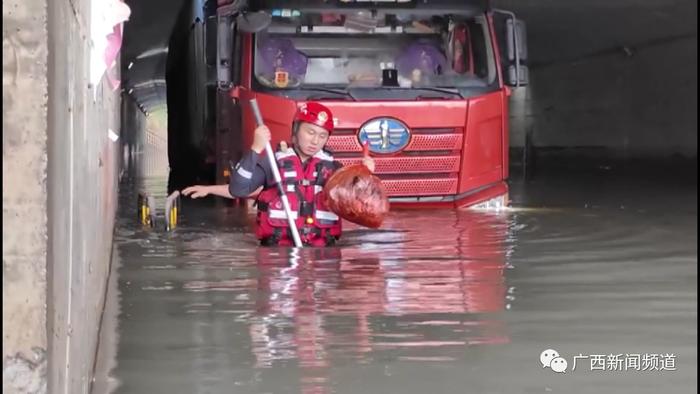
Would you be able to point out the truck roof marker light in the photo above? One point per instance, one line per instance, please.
(285, 13)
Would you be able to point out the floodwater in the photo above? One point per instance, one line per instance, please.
(601, 268)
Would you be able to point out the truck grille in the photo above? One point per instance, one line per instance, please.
(429, 165)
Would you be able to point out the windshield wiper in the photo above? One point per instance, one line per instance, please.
(441, 90)
(327, 90)
(456, 93)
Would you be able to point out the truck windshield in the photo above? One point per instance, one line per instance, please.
(375, 50)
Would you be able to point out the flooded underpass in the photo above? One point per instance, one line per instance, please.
(601, 268)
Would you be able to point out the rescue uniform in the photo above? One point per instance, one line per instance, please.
(303, 184)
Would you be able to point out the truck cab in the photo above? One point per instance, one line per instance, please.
(425, 84)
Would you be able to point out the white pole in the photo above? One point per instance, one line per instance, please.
(278, 179)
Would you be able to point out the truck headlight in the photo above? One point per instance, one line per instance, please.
(497, 203)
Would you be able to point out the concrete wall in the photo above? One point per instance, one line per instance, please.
(641, 104)
(83, 181)
(132, 136)
(60, 180)
(616, 75)
(146, 139)
(24, 223)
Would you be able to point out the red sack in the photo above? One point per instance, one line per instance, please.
(356, 195)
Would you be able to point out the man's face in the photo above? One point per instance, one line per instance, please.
(310, 138)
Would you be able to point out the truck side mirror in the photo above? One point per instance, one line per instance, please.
(513, 43)
(253, 22)
(517, 52)
(224, 51)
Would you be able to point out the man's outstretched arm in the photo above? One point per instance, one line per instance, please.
(248, 175)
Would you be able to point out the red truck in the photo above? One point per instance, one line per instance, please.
(424, 82)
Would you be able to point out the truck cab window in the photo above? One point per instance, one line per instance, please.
(353, 49)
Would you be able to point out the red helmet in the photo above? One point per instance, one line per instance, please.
(315, 113)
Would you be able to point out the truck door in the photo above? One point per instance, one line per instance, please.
(228, 74)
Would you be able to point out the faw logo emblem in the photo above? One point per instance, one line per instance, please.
(385, 135)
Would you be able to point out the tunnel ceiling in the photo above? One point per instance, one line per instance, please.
(146, 36)
(558, 31)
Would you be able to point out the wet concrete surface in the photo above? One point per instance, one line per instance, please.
(443, 301)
